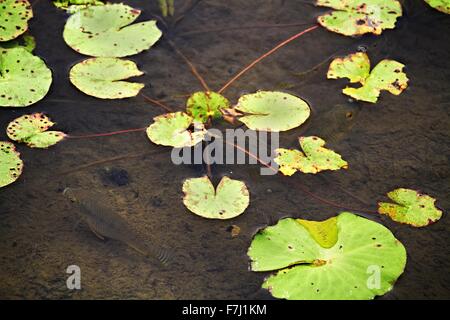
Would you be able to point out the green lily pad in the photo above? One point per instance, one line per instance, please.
(387, 75)
(357, 17)
(14, 15)
(410, 207)
(105, 31)
(10, 163)
(24, 78)
(101, 78)
(32, 130)
(313, 159)
(229, 200)
(364, 262)
(73, 6)
(176, 129)
(441, 5)
(25, 41)
(204, 105)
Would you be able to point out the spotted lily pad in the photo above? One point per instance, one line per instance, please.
(387, 75)
(32, 130)
(229, 200)
(176, 129)
(101, 78)
(441, 5)
(24, 78)
(105, 31)
(356, 17)
(410, 207)
(25, 41)
(14, 16)
(10, 163)
(364, 262)
(204, 105)
(313, 159)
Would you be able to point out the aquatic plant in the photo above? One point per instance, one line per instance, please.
(11, 165)
(25, 41)
(14, 15)
(441, 5)
(167, 7)
(74, 5)
(205, 106)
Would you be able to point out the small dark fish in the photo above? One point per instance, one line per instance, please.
(105, 223)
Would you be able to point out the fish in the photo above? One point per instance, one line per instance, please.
(105, 223)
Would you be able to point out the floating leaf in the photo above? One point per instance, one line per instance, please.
(32, 130)
(356, 17)
(325, 233)
(410, 207)
(100, 77)
(25, 41)
(387, 75)
(14, 16)
(104, 31)
(229, 200)
(313, 159)
(173, 129)
(73, 6)
(441, 5)
(203, 105)
(10, 163)
(364, 262)
(24, 78)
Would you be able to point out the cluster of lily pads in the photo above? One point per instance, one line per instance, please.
(310, 259)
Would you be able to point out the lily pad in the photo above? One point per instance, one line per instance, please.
(364, 262)
(10, 163)
(387, 75)
(105, 31)
(25, 41)
(14, 15)
(441, 5)
(32, 130)
(101, 78)
(204, 105)
(229, 200)
(24, 78)
(176, 129)
(313, 159)
(410, 207)
(357, 17)
(73, 6)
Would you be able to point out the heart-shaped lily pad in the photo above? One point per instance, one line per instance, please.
(10, 163)
(229, 200)
(25, 41)
(410, 207)
(176, 129)
(441, 5)
(24, 78)
(204, 105)
(32, 130)
(387, 75)
(14, 16)
(313, 159)
(356, 17)
(101, 78)
(105, 31)
(364, 262)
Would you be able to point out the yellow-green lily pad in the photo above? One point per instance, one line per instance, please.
(441, 5)
(229, 200)
(205, 105)
(11, 165)
(410, 207)
(313, 159)
(25, 41)
(14, 16)
(73, 6)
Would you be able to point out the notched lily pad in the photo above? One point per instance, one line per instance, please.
(101, 78)
(32, 130)
(14, 16)
(410, 207)
(10, 163)
(176, 129)
(205, 105)
(313, 159)
(441, 5)
(357, 17)
(229, 200)
(105, 31)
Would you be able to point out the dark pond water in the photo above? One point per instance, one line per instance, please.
(402, 141)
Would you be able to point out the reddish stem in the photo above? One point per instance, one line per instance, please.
(105, 134)
(158, 103)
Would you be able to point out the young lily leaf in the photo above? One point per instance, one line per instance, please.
(410, 207)
(356, 17)
(32, 130)
(173, 129)
(441, 5)
(364, 262)
(204, 105)
(14, 16)
(313, 159)
(73, 6)
(387, 75)
(25, 41)
(229, 200)
(104, 31)
(24, 78)
(10, 163)
(101, 78)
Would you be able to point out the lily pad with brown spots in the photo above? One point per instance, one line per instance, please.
(11, 165)
(14, 16)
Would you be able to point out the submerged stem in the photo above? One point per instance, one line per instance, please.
(106, 134)
(158, 103)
